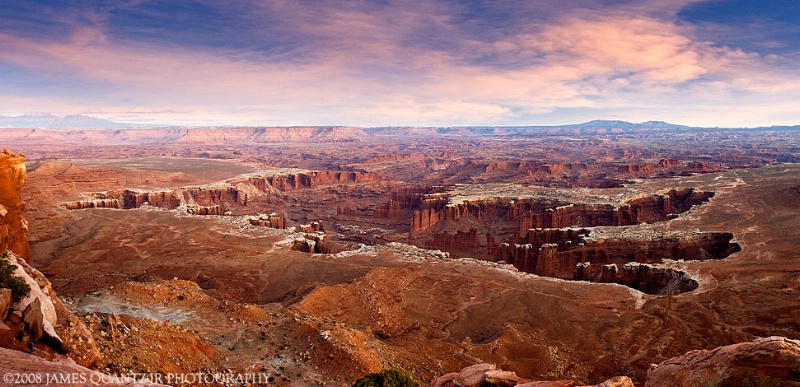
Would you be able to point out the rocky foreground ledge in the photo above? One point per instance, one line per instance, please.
(768, 361)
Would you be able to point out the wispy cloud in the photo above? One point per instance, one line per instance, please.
(404, 63)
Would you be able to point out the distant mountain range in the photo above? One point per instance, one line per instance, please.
(78, 121)
(49, 121)
(606, 124)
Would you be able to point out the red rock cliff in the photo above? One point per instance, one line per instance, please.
(13, 228)
(306, 180)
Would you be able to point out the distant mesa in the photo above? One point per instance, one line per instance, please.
(51, 121)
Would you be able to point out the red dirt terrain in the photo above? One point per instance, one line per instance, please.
(558, 256)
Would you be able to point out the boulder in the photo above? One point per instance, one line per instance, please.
(502, 378)
(34, 319)
(41, 292)
(769, 361)
(446, 380)
(474, 375)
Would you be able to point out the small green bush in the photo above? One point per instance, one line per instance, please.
(386, 378)
(19, 288)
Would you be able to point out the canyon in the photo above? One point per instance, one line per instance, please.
(318, 255)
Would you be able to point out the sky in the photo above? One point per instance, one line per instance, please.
(726, 63)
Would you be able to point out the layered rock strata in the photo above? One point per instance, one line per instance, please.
(547, 233)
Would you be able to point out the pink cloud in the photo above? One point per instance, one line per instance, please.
(364, 65)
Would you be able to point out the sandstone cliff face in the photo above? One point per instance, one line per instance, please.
(171, 199)
(13, 227)
(272, 220)
(536, 169)
(92, 203)
(549, 237)
(308, 180)
(314, 242)
(635, 168)
(570, 254)
(200, 200)
(550, 213)
(486, 375)
(652, 279)
(701, 166)
(768, 361)
(39, 322)
(390, 210)
(666, 163)
(230, 197)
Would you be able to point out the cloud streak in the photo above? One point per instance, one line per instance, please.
(400, 63)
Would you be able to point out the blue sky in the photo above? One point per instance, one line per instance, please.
(403, 62)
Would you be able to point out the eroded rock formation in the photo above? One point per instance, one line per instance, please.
(92, 203)
(308, 179)
(768, 361)
(314, 242)
(488, 375)
(557, 213)
(272, 220)
(13, 227)
(38, 322)
(548, 235)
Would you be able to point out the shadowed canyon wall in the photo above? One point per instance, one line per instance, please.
(549, 237)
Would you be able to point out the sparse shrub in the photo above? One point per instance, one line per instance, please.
(386, 378)
(19, 288)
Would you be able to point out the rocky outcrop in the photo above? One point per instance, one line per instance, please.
(42, 323)
(394, 157)
(667, 163)
(702, 166)
(205, 210)
(39, 322)
(402, 201)
(635, 168)
(315, 242)
(13, 227)
(310, 228)
(552, 213)
(649, 278)
(163, 199)
(92, 203)
(770, 361)
(570, 254)
(559, 168)
(200, 200)
(308, 180)
(346, 211)
(171, 199)
(548, 236)
(390, 210)
(272, 220)
(488, 375)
